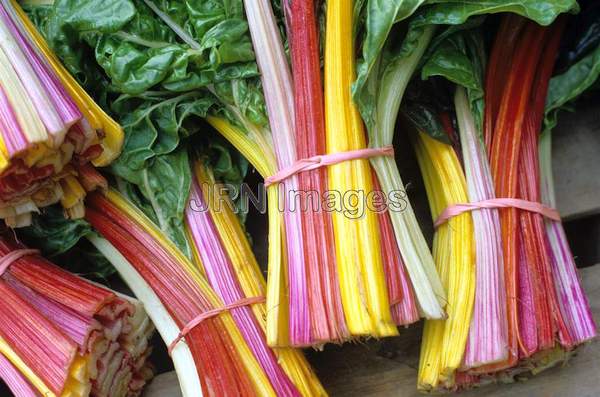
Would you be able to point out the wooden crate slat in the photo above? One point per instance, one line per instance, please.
(360, 370)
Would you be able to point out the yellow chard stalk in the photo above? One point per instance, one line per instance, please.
(444, 341)
(360, 266)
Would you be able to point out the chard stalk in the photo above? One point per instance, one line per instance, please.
(16, 382)
(357, 238)
(183, 360)
(327, 321)
(414, 249)
(218, 267)
(573, 301)
(488, 333)
(278, 91)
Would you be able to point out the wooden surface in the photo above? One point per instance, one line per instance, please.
(388, 367)
(576, 145)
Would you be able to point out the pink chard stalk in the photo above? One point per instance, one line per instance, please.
(278, 91)
(487, 341)
(221, 276)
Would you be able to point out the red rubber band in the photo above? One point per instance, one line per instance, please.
(457, 209)
(210, 314)
(13, 256)
(323, 160)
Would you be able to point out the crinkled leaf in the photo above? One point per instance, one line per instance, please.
(139, 51)
(93, 15)
(78, 59)
(155, 128)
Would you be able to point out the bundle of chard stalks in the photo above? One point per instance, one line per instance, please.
(354, 267)
(51, 133)
(515, 303)
(61, 335)
(202, 90)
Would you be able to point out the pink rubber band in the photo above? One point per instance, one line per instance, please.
(13, 256)
(210, 314)
(323, 160)
(457, 209)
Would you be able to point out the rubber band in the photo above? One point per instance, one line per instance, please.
(457, 209)
(323, 160)
(210, 314)
(13, 256)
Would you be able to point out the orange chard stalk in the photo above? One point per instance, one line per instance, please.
(498, 70)
(504, 160)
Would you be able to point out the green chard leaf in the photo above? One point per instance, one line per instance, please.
(53, 234)
(228, 166)
(165, 185)
(165, 65)
(59, 240)
(87, 16)
(139, 51)
(155, 127)
(566, 87)
(460, 58)
(426, 120)
(379, 18)
(453, 12)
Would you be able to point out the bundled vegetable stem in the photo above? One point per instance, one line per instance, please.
(358, 249)
(219, 272)
(221, 357)
(488, 330)
(444, 341)
(325, 307)
(409, 237)
(49, 126)
(64, 335)
(278, 92)
(225, 254)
